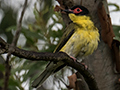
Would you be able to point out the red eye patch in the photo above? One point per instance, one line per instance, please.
(77, 10)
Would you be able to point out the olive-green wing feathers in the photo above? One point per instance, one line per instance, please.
(66, 36)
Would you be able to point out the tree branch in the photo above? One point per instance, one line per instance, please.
(55, 57)
(31, 55)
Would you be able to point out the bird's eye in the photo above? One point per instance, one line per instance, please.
(77, 10)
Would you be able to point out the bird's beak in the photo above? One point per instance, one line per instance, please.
(68, 10)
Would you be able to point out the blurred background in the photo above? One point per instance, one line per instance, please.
(41, 31)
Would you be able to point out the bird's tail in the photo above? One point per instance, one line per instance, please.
(50, 69)
(38, 81)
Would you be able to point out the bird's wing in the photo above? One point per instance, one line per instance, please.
(66, 36)
(52, 67)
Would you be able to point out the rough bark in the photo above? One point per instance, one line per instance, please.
(101, 62)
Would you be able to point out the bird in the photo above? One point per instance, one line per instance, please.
(80, 39)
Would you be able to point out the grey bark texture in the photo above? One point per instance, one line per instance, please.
(101, 62)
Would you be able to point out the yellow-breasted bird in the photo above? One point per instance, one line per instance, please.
(80, 39)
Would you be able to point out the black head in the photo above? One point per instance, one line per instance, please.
(77, 10)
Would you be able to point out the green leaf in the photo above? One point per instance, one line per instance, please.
(113, 4)
(116, 30)
(2, 67)
(13, 82)
(30, 34)
(11, 28)
(35, 68)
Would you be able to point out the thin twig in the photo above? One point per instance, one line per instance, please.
(14, 42)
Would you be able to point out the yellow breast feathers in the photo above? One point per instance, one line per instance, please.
(84, 39)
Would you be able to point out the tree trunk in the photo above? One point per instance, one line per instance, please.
(101, 62)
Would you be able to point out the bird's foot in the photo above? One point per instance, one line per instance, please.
(73, 58)
(86, 67)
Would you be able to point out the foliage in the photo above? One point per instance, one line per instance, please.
(40, 36)
(115, 5)
(116, 28)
